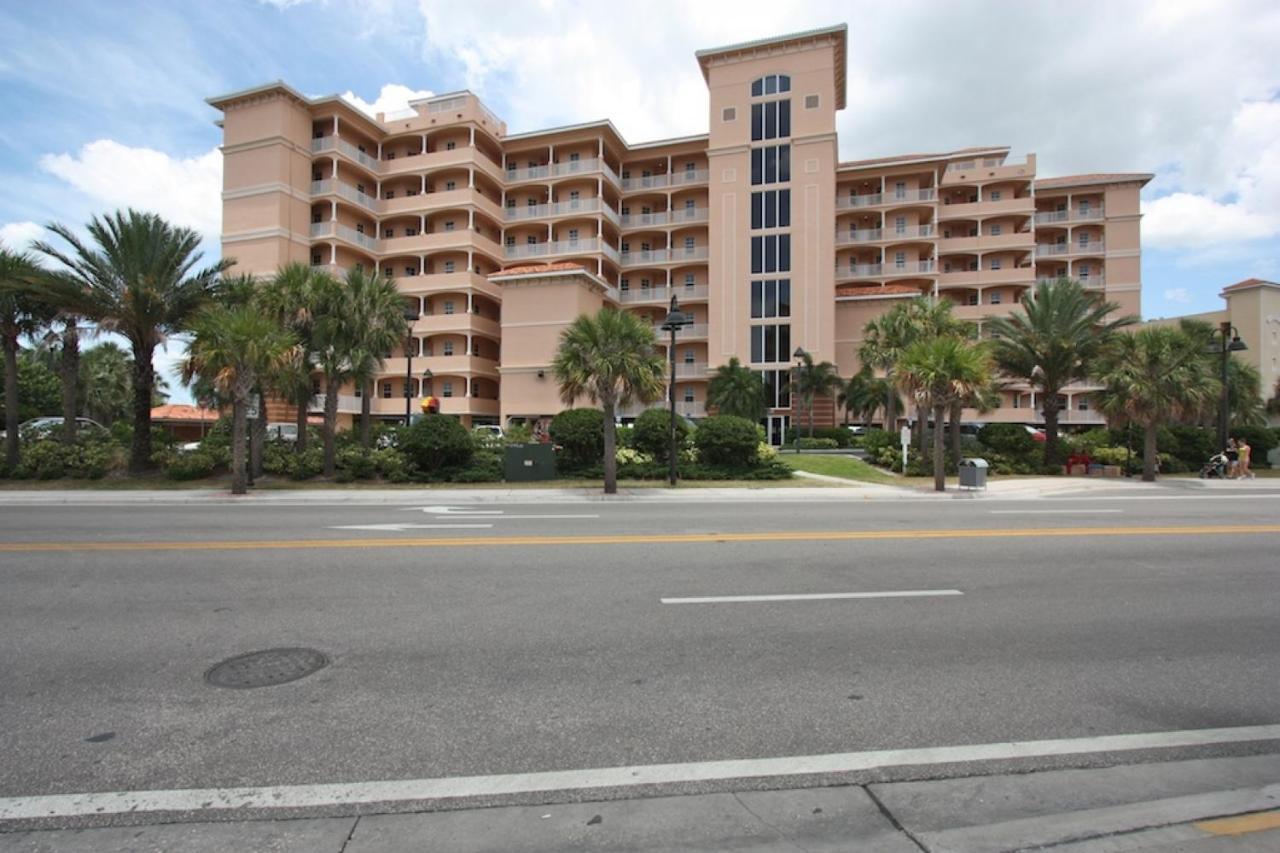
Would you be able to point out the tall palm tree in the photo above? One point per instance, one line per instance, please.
(1053, 341)
(1152, 377)
(137, 277)
(855, 395)
(736, 389)
(881, 393)
(377, 325)
(106, 374)
(610, 357)
(884, 339)
(233, 346)
(810, 380)
(333, 342)
(20, 313)
(291, 296)
(939, 371)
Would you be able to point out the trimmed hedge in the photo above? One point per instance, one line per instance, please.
(579, 434)
(652, 433)
(727, 441)
(437, 446)
(841, 436)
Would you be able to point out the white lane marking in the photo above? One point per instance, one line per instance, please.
(395, 527)
(356, 793)
(452, 510)
(811, 596)
(1050, 511)
(506, 517)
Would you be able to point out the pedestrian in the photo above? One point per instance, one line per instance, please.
(1245, 454)
(1233, 456)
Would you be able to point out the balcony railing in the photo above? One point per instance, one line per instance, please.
(909, 232)
(1093, 282)
(910, 196)
(690, 176)
(647, 182)
(907, 268)
(851, 201)
(691, 369)
(331, 143)
(864, 235)
(663, 256)
(661, 295)
(697, 330)
(679, 216)
(583, 245)
(1052, 217)
(988, 163)
(346, 191)
(321, 230)
(1049, 250)
(559, 208)
(530, 173)
(859, 270)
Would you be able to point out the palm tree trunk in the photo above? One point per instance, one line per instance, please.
(939, 462)
(891, 410)
(300, 421)
(70, 369)
(610, 449)
(11, 401)
(810, 413)
(366, 413)
(1050, 410)
(239, 433)
(143, 383)
(922, 419)
(330, 425)
(1149, 453)
(957, 410)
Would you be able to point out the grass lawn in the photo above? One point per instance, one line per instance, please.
(847, 467)
(277, 484)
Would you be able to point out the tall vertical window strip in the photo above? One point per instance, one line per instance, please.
(771, 253)
(771, 343)
(771, 164)
(771, 120)
(771, 209)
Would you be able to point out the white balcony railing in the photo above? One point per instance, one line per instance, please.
(697, 330)
(530, 173)
(1090, 247)
(679, 216)
(859, 270)
(583, 245)
(973, 164)
(910, 196)
(322, 230)
(691, 369)
(559, 208)
(690, 176)
(1052, 217)
(331, 143)
(852, 201)
(906, 267)
(646, 182)
(661, 295)
(348, 192)
(863, 235)
(1092, 281)
(664, 256)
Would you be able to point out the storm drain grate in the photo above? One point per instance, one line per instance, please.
(266, 668)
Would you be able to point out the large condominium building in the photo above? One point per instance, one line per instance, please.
(771, 242)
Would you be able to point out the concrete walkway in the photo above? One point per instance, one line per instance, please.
(1216, 805)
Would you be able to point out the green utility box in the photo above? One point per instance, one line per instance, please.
(524, 463)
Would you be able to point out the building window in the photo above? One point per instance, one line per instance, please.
(995, 263)
(448, 266)
(1084, 271)
(688, 356)
(900, 260)
(449, 186)
(972, 299)
(446, 388)
(995, 195)
(995, 297)
(810, 102)
(689, 245)
(771, 343)
(729, 114)
(771, 84)
(410, 270)
(689, 279)
(359, 227)
(531, 240)
(771, 120)
(771, 209)
(770, 298)
(449, 226)
(315, 259)
(450, 145)
(771, 253)
(776, 383)
(386, 390)
(771, 164)
(448, 306)
(900, 189)
(688, 395)
(389, 232)
(446, 348)
(900, 225)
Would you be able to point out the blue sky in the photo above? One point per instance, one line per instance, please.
(103, 103)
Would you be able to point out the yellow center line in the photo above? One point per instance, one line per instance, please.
(1242, 825)
(640, 538)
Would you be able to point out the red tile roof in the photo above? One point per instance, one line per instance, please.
(533, 269)
(874, 290)
(174, 412)
(1248, 283)
(1094, 178)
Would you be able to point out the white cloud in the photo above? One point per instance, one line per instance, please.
(393, 100)
(17, 236)
(186, 191)
(1178, 294)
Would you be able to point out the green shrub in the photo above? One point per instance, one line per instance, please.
(1012, 439)
(485, 467)
(518, 433)
(841, 436)
(487, 439)
(195, 465)
(727, 441)
(50, 459)
(308, 464)
(807, 443)
(579, 435)
(874, 441)
(652, 433)
(355, 463)
(437, 446)
(1260, 440)
(277, 457)
(390, 465)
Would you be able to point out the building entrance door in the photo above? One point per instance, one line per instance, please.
(776, 429)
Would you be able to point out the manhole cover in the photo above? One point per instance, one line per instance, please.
(266, 668)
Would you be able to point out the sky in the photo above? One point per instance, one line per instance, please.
(103, 104)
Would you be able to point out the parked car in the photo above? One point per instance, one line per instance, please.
(854, 429)
(38, 428)
(488, 430)
(1035, 432)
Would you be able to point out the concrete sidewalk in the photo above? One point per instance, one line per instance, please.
(1191, 806)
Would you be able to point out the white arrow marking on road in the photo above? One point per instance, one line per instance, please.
(410, 526)
(453, 510)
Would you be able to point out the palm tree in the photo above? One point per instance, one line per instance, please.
(233, 346)
(884, 339)
(939, 371)
(378, 324)
(983, 399)
(1244, 382)
(1151, 377)
(138, 278)
(610, 358)
(1054, 341)
(291, 297)
(106, 375)
(854, 395)
(19, 316)
(736, 389)
(927, 318)
(333, 344)
(881, 392)
(810, 380)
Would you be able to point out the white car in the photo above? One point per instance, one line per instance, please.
(43, 427)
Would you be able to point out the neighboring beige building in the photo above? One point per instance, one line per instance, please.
(1253, 309)
(761, 232)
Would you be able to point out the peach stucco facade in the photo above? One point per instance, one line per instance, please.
(499, 240)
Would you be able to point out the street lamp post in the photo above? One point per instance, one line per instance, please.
(675, 320)
(411, 317)
(799, 355)
(1223, 341)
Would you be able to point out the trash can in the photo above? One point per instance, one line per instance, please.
(524, 463)
(973, 473)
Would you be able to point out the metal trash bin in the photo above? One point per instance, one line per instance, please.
(524, 463)
(973, 473)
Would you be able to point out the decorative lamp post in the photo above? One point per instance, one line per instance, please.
(410, 317)
(1223, 341)
(799, 356)
(675, 320)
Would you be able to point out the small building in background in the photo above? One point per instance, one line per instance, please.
(186, 423)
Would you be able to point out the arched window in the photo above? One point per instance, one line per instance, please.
(771, 84)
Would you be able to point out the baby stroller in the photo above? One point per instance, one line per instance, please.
(1215, 468)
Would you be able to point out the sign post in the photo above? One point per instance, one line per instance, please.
(905, 436)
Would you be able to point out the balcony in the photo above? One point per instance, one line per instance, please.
(691, 370)
(334, 143)
(680, 216)
(420, 202)
(697, 330)
(446, 282)
(988, 169)
(854, 271)
(907, 234)
(574, 207)
(690, 177)
(347, 192)
(461, 323)
(331, 230)
(581, 246)
(1058, 217)
(1008, 414)
(442, 365)
(865, 235)
(893, 199)
(853, 202)
(662, 296)
(978, 209)
(906, 269)
(1052, 250)
(650, 257)
(569, 168)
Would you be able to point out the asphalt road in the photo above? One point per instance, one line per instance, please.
(462, 651)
